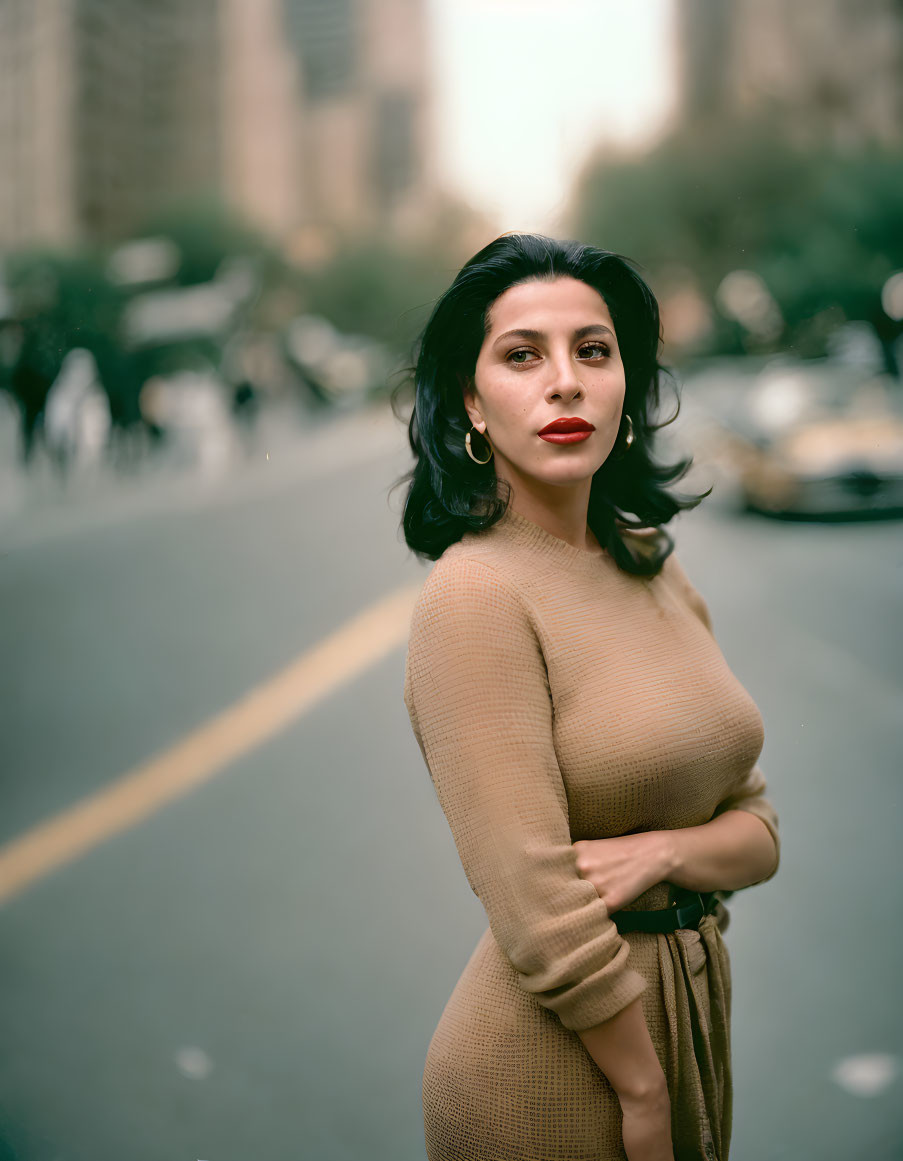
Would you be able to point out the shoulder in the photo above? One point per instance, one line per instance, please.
(466, 596)
(469, 628)
(673, 570)
(650, 541)
(465, 579)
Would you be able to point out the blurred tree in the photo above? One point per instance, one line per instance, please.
(823, 230)
(384, 287)
(380, 288)
(206, 231)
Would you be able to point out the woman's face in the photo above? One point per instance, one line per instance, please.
(569, 366)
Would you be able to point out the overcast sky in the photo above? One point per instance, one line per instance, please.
(525, 88)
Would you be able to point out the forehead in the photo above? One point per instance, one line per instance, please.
(552, 302)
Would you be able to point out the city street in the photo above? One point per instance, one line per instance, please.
(243, 955)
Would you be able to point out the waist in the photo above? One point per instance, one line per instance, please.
(662, 894)
(684, 910)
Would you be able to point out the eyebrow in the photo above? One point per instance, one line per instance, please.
(528, 333)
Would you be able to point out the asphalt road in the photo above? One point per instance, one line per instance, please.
(251, 968)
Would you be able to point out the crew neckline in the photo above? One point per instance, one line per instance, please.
(533, 535)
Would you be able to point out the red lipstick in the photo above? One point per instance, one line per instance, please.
(567, 430)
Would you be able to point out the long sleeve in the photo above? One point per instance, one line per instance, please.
(751, 798)
(477, 693)
(751, 795)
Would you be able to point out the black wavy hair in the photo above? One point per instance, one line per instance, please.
(448, 493)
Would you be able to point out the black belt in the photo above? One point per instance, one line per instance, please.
(686, 911)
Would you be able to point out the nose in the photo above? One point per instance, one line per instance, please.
(564, 382)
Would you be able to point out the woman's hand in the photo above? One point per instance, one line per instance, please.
(622, 868)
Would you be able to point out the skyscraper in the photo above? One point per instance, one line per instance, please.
(366, 81)
(298, 113)
(106, 108)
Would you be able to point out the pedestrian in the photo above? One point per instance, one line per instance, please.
(594, 756)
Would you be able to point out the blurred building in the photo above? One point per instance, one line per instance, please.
(831, 68)
(308, 116)
(103, 109)
(261, 117)
(365, 71)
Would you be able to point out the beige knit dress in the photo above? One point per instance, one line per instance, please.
(556, 697)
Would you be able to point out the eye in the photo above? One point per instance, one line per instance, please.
(518, 362)
(596, 347)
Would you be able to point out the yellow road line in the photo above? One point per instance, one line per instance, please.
(208, 750)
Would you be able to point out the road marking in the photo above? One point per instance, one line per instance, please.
(208, 750)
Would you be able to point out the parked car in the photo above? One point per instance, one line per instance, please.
(817, 438)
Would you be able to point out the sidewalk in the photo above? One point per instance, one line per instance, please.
(287, 446)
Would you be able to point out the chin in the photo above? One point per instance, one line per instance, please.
(569, 475)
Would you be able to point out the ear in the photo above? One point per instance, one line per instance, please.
(468, 395)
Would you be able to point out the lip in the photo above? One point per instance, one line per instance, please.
(567, 430)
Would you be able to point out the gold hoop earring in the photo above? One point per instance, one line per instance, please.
(630, 437)
(467, 446)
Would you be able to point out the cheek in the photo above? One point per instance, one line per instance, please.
(608, 385)
(616, 387)
(504, 396)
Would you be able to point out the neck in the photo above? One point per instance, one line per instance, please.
(567, 521)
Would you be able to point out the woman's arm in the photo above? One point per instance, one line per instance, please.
(732, 851)
(477, 691)
(623, 1050)
(735, 849)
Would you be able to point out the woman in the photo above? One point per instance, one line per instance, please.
(593, 754)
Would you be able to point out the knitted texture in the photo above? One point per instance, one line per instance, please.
(556, 697)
